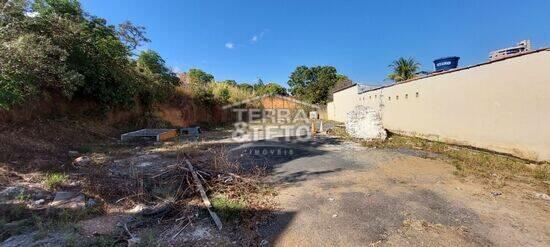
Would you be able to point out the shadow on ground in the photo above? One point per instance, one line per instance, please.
(24, 226)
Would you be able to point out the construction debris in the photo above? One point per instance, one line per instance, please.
(155, 134)
(365, 123)
(82, 161)
(69, 200)
(542, 196)
(191, 133)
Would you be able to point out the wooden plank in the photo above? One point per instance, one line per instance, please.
(202, 192)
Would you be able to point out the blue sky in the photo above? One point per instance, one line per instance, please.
(244, 40)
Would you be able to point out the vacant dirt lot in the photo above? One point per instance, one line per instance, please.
(351, 195)
(324, 191)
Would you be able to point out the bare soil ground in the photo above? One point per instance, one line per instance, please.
(331, 191)
(129, 191)
(397, 196)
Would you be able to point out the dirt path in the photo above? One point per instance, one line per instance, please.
(352, 196)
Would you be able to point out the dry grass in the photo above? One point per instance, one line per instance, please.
(4, 175)
(497, 168)
(339, 132)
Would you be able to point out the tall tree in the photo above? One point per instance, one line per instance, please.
(342, 81)
(199, 77)
(54, 47)
(313, 84)
(133, 36)
(199, 82)
(151, 63)
(403, 69)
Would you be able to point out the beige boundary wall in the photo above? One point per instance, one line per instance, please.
(343, 102)
(502, 106)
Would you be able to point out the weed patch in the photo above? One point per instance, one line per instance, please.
(54, 180)
(469, 161)
(227, 208)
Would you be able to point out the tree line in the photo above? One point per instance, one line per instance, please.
(53, 47)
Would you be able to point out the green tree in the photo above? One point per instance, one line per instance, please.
(403, 69)
(271, 89)
(151, 63)
(313, 84)
(246, 86)
(133, 36)
(204, 95)
(224, 95)
(229, 82)
(32, 61)
(199, 77)
(54, 47)
(342, 81)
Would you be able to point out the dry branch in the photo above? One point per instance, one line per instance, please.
(205, 199)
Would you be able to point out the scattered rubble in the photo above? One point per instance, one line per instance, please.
(39, 202)
(12, 191)
(35, 239)
(496, 193)
(542, 196)
(155, 134)
(91, 203)
(82, 161)
(68, 200)
(365, 123)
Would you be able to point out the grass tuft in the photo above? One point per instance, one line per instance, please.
(227, 208)
(54, 180)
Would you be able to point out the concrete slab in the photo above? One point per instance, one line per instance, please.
(156, 134)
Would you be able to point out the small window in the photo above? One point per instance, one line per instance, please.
(396, 97)
(417, 94)
(375, 96)
(370, 97)
(406, 96)
(389, 98)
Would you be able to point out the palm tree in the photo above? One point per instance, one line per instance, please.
(403, 69)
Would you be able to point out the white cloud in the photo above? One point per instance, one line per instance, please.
(257, 37)
(229, 45)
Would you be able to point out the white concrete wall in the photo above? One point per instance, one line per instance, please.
(502, 106)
